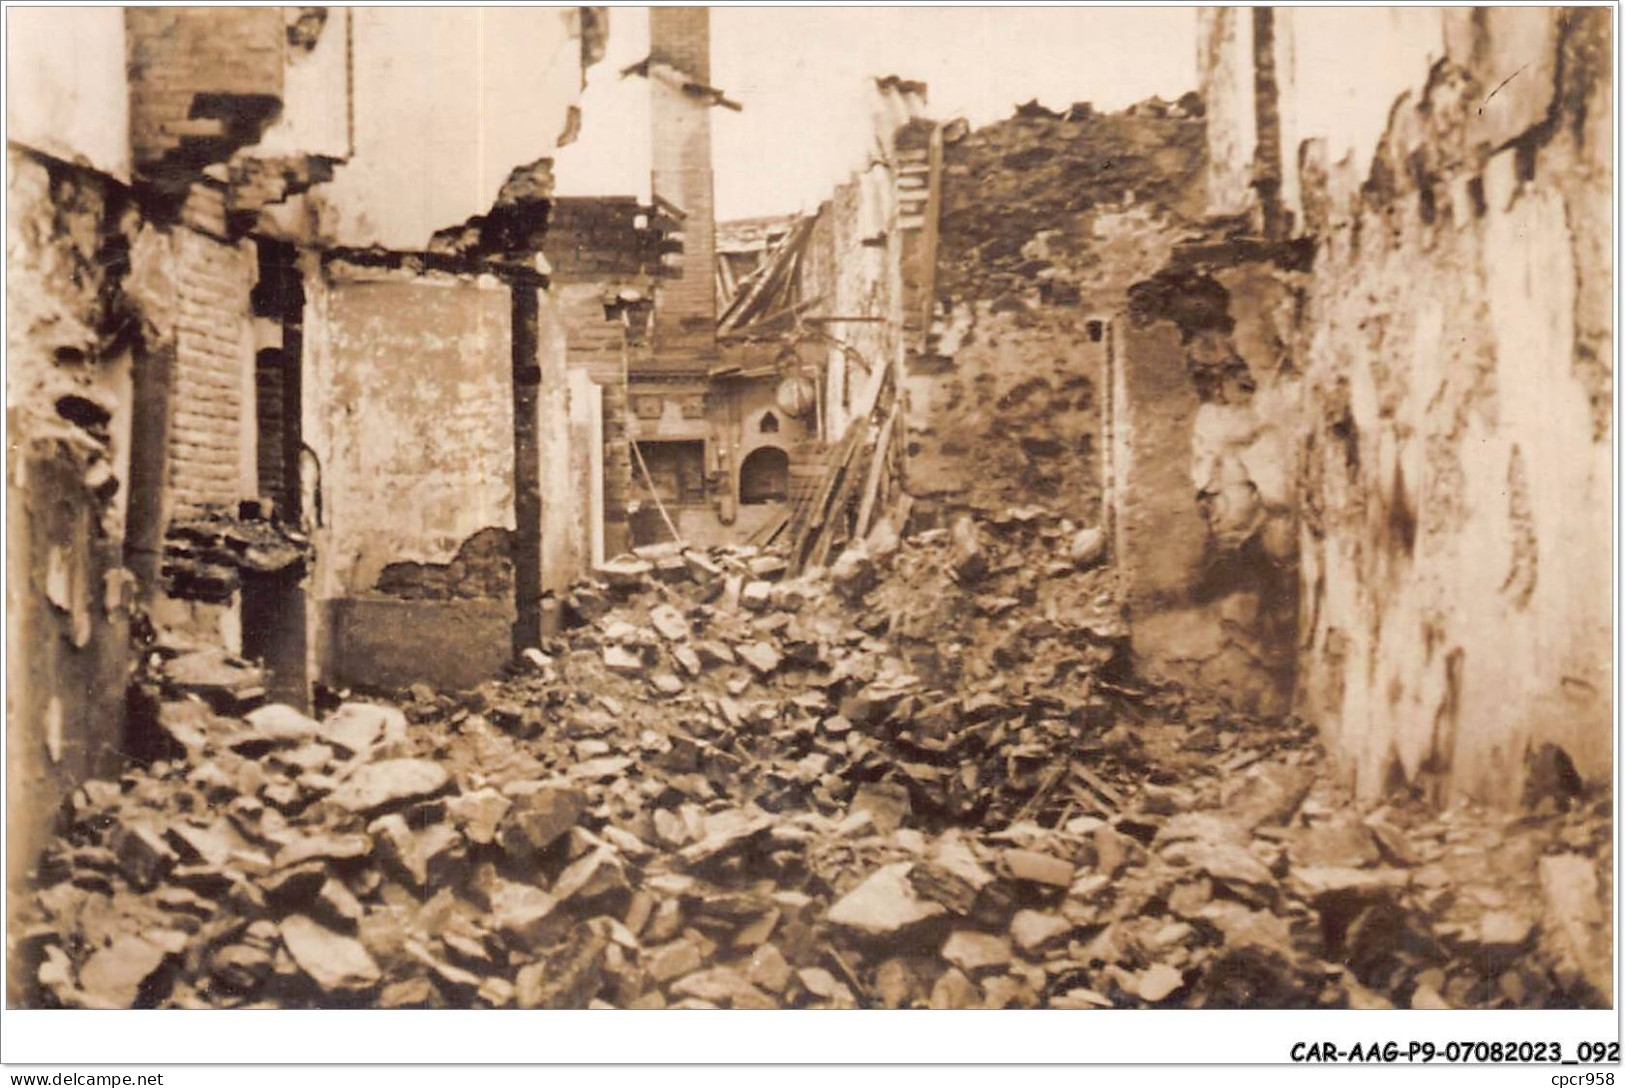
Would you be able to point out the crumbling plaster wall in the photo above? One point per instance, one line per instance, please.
(75, 324)
(424, 159)
(1224, 64)
(409, 410)
(596, 347)
(566, 506)
(1453, 475)
(854, 263)
(67, 93)
(316, 115)
(866, 254)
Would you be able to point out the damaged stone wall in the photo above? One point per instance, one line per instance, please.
(1047, 219)
(1457, 474)
(409, 411)
(1204, 510)
(1453, 475)
(146, 146)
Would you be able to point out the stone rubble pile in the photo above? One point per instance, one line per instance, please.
(922, 778)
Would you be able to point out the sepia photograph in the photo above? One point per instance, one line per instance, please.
(813, 508)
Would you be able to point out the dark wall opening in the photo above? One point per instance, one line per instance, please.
(676, 469)
(279, 294)
(764, 477)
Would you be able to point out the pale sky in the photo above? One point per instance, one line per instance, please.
(800, 72)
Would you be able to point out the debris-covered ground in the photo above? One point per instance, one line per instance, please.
(923, 778)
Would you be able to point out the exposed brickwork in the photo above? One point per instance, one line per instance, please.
(213, 283)
(200, 76)
(482, 568)
(596, 238)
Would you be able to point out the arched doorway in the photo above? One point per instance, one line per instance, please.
(764, 477)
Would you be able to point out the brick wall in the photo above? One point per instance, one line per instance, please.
(680, 159)
(176, 55)
(212, 357)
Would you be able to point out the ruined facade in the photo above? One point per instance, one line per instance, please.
(1408, 449)
(725, 376)
(229, 232)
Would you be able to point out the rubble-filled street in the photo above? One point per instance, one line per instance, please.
(924, 779)
(868, 508)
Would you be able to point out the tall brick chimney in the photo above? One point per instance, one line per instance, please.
(686, 309)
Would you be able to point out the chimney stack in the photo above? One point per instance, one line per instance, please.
(686, 311)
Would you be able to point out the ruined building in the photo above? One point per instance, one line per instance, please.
(1113, 541)
(286, 376)
(1360, 454)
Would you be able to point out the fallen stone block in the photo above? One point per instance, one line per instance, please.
(625, 572)
(976, 953)
(966, 555)
(762, 658)
(275, 725)
(622, 660)
(1088, 548)
(722, 986)
(568, 978)
(526, 916)
(114, 976)
(768, 969)
(337, 964)
(668, 623)
(953, 990)
(358, 728)
(1036, 868)
(430, 858)
(479, 814)
(1034, 931)
(598, 874)
(539, 818)
(390, 783)
(885, 905)
(853, 574)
